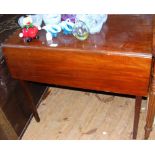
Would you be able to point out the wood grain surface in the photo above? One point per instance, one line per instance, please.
(96, 71)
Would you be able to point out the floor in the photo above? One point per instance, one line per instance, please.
(73, 115)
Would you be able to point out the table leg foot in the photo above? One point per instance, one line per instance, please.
(30, 100)
(136, 115)
(147, 132)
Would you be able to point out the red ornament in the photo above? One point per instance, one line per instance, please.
(29, 33)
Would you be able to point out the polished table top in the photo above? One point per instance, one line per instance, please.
(129, 34)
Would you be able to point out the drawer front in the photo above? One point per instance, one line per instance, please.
(81, 69)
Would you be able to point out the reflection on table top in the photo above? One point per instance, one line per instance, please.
(130, 34)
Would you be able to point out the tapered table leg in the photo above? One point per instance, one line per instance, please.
(30, 100)
(138, 103)
(150, 114)
(151, 103)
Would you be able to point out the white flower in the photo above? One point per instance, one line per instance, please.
(27, 20)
